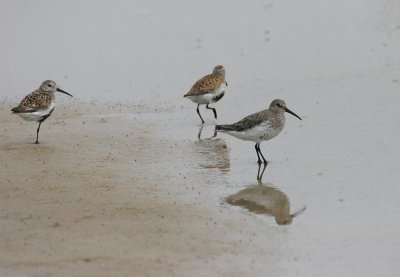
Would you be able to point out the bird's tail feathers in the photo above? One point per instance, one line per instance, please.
(227, 127)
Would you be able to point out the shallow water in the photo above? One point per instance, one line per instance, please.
(134, 185)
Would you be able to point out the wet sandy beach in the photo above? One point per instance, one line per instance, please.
(107, 193)
(126, 182)
(115, 192)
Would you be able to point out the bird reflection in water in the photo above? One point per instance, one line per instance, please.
(213, 152)
(265, 199)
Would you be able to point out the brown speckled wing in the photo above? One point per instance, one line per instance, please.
(205, 85)
(33, 102)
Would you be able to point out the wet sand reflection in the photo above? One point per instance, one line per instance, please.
(213, 152)
(265, 199)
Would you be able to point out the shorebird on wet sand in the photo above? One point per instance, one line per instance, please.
(39, 104)
(209, 89)
(260, 126)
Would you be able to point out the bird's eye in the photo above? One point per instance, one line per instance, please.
(49, 85)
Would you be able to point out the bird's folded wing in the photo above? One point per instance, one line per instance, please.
(21, 109)
(207, 84)
(246, 123)
(30, 103)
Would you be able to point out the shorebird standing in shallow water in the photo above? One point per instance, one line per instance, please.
(260, 126)
(209, 89)
(39, 104)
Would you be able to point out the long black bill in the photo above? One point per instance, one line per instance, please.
(289, 111)
(60, 90)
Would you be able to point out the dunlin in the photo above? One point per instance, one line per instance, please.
(209, 89)
(39, 104)
(260, 126)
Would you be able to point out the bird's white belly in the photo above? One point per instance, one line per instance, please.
(38, 115)
(202, 99)
(210, 97)
(258, 133)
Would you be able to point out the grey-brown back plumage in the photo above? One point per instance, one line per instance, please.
(246, 123)
(273, 118)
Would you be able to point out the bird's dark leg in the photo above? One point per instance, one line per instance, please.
(198, 105)
(214, 110)
(258, 156)
(259, 176)
(258, 172)
(201, 130)
(262, 156)
(37, 133)
(199, 134)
